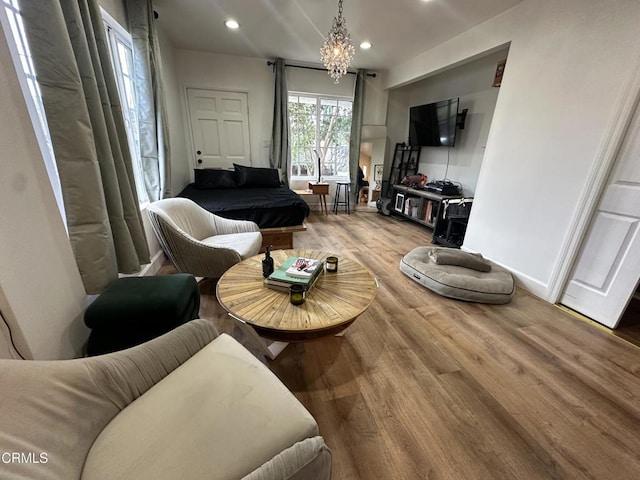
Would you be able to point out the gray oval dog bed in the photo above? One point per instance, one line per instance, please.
(460, 275)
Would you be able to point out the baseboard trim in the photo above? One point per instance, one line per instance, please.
(152, 268)
(530, 284)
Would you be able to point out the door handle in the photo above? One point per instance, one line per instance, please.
(198, 152)
(199, 161)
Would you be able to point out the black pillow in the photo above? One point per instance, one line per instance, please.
(256, 177)
(209, 178)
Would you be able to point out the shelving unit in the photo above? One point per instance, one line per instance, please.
(447, 215)
(405, 162)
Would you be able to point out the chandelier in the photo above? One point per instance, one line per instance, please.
(337, 50)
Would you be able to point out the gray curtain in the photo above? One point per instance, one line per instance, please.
(280, 153)
(73, 69)
(152, 116)
(356, 132)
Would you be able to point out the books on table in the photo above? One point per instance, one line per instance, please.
(304, 268)
(295, 271)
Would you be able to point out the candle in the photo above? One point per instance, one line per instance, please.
(332, 264)
(296, 294)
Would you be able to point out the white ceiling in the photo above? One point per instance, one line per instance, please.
(295, 29)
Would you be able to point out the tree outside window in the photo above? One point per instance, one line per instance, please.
(319, 124)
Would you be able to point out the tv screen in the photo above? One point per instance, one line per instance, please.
(434, 124)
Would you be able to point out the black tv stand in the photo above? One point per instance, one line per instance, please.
(447, 215)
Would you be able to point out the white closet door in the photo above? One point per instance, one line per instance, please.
(607, 271)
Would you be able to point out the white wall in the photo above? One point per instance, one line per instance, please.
(568, 67)
(41, 293)
(117, 10)
(470, 82)
(376, 98)
(318, 81)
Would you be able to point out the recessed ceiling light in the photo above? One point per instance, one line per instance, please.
(232, 24)
(365, 45)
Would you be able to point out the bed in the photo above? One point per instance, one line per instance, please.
(249, 193)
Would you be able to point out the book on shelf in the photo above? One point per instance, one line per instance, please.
(295, 271)
(427, 215)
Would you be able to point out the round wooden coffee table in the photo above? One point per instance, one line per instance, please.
(333, 303)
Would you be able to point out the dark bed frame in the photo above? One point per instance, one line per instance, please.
(278, 211)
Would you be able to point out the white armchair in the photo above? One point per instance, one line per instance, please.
(199, 242)
(190, 404)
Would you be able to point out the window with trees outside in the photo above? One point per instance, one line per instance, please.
(319, 126)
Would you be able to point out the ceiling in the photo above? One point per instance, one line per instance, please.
(295, 29)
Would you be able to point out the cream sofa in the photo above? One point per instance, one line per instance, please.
(190, 404)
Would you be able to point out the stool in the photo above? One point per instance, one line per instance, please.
(336, 200)
(363, 195)
(133, 310)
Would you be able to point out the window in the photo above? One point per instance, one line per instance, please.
(122, 58)
(319, 124)
(13, 27)
(120, 48)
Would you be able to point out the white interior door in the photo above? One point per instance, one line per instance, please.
(607, 270)
(219, 128)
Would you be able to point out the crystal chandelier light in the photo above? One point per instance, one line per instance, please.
(337, 50)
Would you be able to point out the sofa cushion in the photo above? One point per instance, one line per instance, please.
(310, 458)
(224, 409)
(246, 244)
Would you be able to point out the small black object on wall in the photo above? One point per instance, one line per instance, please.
(461, 118)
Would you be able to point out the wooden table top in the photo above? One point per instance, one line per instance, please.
(331, 305)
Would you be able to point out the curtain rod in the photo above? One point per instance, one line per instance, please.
(317, 68)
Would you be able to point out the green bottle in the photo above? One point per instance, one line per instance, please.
(267, 263)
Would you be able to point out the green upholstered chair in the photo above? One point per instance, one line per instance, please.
(133, 310)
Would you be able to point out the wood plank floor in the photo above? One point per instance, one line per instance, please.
(423, 387)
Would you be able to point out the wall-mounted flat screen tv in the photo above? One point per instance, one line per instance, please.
(434, 124)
